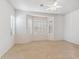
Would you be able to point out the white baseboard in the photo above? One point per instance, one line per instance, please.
(74, 42)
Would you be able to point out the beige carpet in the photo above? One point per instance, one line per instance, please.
(44, 50)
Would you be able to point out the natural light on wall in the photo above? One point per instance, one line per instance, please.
(12, 24)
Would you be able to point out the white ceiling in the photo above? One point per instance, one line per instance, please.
(34, 5)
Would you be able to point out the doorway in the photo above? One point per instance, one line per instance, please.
(42, 27)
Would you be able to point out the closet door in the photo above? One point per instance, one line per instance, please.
(40, 28)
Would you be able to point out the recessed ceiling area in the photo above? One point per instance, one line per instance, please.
(34, 5)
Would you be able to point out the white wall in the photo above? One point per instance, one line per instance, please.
(21, 18)
(59, 27)
(21, 31)
(6, 41)
(72, 27)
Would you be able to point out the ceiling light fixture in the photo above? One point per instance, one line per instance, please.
(52, 6)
